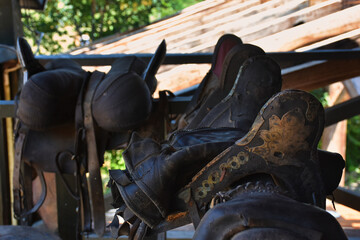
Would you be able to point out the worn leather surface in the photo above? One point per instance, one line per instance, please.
(47, 107)
(331, 166)
(48, 98)
(282, 143)
(266, 215)
(56, 143)
(135, 199)
(154, 167)
(187, 150)
(122, 100)
(256, 81)
(219, 81)
(58, 140)
(221, 56)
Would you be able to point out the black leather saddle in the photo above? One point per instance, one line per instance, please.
(67, 118)
(238, 129)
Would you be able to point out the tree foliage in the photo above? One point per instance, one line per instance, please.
(63, 22)
(353, 144)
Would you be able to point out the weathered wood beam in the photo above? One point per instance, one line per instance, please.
(10, 18)
(190, 30)
(199, 38)
(351, 88)
(334, 137)
(266, 28)
(354, 34)
(347, 197)
(322, 74)
(10, 29)
(177, 58)
(307, 33)
(7, 109)
(189, 12)
(333, 114)
(189, 23)
(158, 31)
(342, 111)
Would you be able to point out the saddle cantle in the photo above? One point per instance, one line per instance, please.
(258, 78)
(229, 55)
(212, 79)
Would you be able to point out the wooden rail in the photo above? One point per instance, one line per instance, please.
(293, 77)
(178, 58)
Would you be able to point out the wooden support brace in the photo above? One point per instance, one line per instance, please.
(321, 74)
(316, 30)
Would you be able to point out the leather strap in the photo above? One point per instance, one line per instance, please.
(96, 192)
(194, 213)
(20, 209)
(84, 199)
(81, 160)
(42, 196)
(17, 191)
(82, 181)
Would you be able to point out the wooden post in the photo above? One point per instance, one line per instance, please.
(10, 18)
(5, 204)
(10, 29)
(69, 221)
(334, 136)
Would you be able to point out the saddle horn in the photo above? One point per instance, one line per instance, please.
(153, 66)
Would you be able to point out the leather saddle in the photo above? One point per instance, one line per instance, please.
(67, 118)
(258, 211)
(232, 135)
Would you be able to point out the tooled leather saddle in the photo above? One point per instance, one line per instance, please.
(241, 142)
(238, 129)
